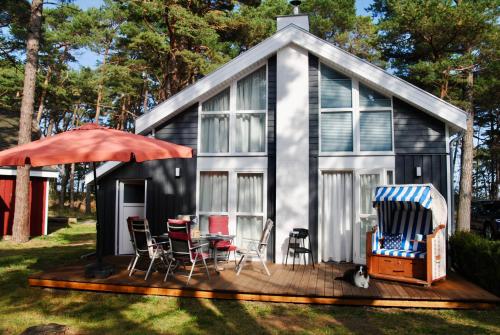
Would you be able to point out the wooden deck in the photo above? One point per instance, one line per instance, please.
(304, 285)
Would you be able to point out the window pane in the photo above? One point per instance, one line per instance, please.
(336, 131)
(368, 182)
(336, 89)
(213, 192)
(376, 131)
(251, 91)
(370, 98)
(218, 103)
(250, 132)
(250, 192)
(215, 133)
(248, 230)
(133, 193)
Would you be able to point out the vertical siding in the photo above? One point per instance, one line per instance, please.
(167, 196)
(37, 204)
(271, 150)
(419, 140)
(313, 149)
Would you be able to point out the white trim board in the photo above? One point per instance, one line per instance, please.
(33, 173)
(340, 59)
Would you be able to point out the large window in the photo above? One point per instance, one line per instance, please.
(213, 196)
(353, 117)
(239, 195)
(234, 121)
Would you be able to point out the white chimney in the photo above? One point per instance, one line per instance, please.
(301, 21)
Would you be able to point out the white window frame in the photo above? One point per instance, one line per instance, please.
(356, 110)
(232, 195)
(233, 112)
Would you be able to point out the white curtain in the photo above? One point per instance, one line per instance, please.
(215, 133)
(218, 103)
(250, 201)
(251, 91)
(337, 216)
(213, 195)
(250, 132)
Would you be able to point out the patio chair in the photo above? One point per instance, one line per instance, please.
(297, 244)
(256, 249)
(145, 246)
(220, 224)
(183, 250)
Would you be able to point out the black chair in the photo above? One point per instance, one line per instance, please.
(297, 244)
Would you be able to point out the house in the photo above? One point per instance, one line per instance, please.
(294, 129)
(39, 184)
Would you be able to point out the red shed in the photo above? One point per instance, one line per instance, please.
(39, 183)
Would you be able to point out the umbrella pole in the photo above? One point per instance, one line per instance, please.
(99, 269)
(97, 224)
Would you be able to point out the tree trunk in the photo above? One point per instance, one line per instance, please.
(41, 102)
(72, 186)
(100, 88)
(21, 227)
(64, 182)
(465, 195)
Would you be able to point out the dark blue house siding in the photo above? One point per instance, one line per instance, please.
(271, 151)
(167, 196)
(419, 140)
(313, 149)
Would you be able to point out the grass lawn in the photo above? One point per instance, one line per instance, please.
(101, 313)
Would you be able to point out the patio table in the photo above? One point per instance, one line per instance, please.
(217, 237)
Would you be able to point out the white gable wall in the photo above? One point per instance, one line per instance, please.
(292, 144)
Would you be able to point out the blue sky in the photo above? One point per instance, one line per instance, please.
(88, 58)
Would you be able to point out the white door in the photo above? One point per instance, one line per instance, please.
(366, 216)
(336, 216)
(132, 195)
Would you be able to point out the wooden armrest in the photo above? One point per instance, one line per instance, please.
(198, 246)
(435, 231)
(417, 241)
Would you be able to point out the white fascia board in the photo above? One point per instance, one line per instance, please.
(33, 173)
(346, 62)
(101, 171)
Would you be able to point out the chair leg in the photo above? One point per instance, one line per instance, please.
(206, 267)
(192, 268)
(241, 264)
(293, 264)
(133, 266)
(235, 261)
(263, 263)
(168, 270)
(287, 251)
(153, 260)
(130, 263)
(312, 258)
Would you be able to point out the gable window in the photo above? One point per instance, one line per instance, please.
(234, 121)
(354, 118)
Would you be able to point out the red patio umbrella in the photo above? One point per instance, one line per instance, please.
(92, 143)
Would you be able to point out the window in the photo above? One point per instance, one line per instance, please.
(353, 117)
(213, 196)
(250, 207)
(336, 131)
(367, 214)
(215, 124)
(375, 129)
(234, 121)
(336, 89)
(240, 195)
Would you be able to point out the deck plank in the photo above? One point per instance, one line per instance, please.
(304, 285)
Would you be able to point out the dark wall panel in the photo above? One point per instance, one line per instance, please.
(313, 150)
(271, 149)
(417, 132)
(167, 195)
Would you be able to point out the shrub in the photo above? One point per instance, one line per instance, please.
(477, 259)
